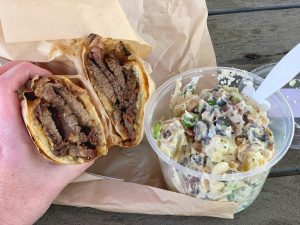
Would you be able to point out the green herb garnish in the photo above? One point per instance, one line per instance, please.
(212, 102)
(189, 119)
(187, 123)
(156, 130)
(189, 89)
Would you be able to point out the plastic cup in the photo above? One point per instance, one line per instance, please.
(243, 187)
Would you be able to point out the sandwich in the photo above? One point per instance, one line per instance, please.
(120, 82)
(75, 119)
(62, 120)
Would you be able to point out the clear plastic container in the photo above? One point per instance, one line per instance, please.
(263, 71)
(242, 187)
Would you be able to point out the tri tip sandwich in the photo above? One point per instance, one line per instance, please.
(121, 83)
(62, 121)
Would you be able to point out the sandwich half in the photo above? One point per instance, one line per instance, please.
(62, 120)
(120, 82)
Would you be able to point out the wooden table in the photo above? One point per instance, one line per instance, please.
(246, 35)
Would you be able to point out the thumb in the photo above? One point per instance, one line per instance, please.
(18, 75)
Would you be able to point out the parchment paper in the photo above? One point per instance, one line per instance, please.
(126, 180)
(29, 26)
(176, 30)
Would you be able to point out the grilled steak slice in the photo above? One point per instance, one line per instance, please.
(66, 122)
(111, 75)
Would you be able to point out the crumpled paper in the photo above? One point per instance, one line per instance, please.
(126, 180)
(176, 30)
(29, 27)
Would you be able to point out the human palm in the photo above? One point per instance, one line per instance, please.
(28, 182)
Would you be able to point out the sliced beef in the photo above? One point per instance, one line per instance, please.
(97, 54)
(132, 86)
(129, 119)
(131, 100)
(121, 52)
(66, 116)
(116, 79)
(49, 127)
(56, 119)
(108, 74)
(79, 151)
(61, 149)
(93, 137)
(114, 66)
(100, 81)
(75, 105)
(91, 38)
(117, 117)
(67, 123)
(85, 150)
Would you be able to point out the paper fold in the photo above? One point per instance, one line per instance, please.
(146, 199)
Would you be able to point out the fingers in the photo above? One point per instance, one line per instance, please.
(18, 75)
(7, 66)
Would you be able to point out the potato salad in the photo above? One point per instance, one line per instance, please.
(217, 131)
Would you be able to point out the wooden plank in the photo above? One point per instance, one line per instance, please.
(249, 40)
(231, 4)
(284, 172)
(253, 9)
(290, 160)
(277, 204)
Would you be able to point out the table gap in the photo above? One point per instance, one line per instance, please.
(253, 9)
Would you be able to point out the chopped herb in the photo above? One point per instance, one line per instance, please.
(187, 123)
(156, 130)
(189, 89)
(189, 119)
(212, 102)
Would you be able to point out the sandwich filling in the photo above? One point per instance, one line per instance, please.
(111, 74)
(65, 121)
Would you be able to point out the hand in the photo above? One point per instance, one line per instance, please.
(28, 182)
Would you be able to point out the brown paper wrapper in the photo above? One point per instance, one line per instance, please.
(126, 180)
(30, 35)
(176, 30)
(146, 199)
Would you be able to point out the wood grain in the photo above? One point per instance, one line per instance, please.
(233, 4)
(249, 40)
(290, 160)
